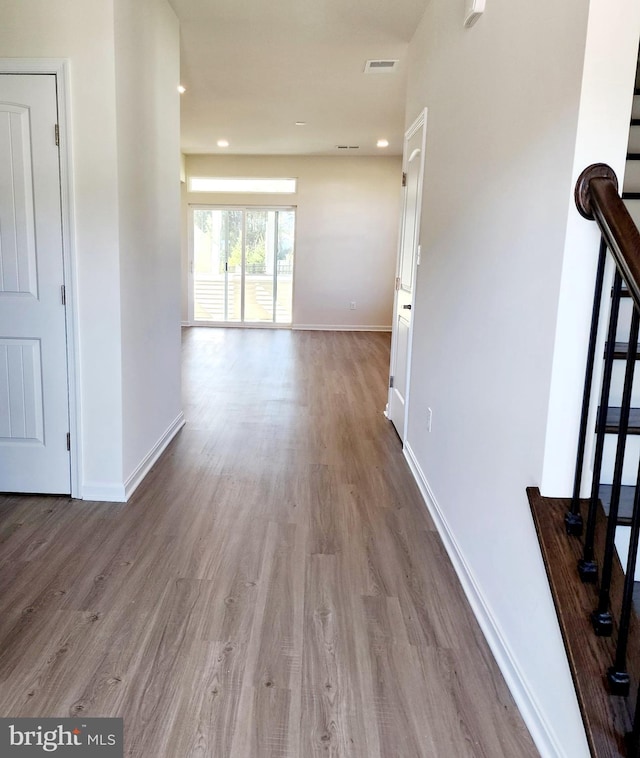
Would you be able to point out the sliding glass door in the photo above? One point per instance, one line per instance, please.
(243, 265)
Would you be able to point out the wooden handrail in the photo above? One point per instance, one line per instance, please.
(597, 199)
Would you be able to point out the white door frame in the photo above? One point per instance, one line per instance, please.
(60, 68)
(419, 123)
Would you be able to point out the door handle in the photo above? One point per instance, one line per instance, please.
(407, 307)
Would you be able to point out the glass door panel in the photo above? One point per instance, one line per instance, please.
(232, 225)
(258, 278)
(285, 225)
(217, 254)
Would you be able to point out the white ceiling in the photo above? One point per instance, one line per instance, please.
(252, 68)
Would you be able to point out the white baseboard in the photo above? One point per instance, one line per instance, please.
(339, 328)
(120, 493)
(299, 327)
(104, 493)
(143, 468)
(540, 730)
(236, 325)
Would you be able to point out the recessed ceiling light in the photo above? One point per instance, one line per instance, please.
(223, 143)
(382, 143)
(181, 89)
(301, 123)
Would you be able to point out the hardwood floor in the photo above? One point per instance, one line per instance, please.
(274, 589)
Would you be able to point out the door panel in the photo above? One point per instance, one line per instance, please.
(405, 275)
(21, 385)
(217, 254)
(283, 263)
(409, 228)
(258, 266)
(17, 232)
(34, 404)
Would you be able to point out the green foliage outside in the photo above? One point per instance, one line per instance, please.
(230, 241)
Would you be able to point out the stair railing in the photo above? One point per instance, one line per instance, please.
(597, 198)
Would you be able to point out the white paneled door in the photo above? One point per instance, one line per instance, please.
(34, 402)
(405, 275)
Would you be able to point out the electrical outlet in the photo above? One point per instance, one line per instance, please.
(352, 305)
(429, 416)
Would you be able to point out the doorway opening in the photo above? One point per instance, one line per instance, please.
(242, 265)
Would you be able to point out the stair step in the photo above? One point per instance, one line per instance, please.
(620, 348)
(624, 292)
(606, 718)
(613, 420)
(625, 506)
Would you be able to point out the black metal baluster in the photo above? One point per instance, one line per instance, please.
(601, 618)
(617, 675)
(587, 567)
(573, 519)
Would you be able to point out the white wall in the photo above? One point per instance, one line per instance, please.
(346, 235)
(126, 213)
(83, 33)
(502, 143)
(148, 118)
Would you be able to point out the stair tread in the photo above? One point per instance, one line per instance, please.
(620, 350)
(613, 420)
(625, 506)
(606, 718)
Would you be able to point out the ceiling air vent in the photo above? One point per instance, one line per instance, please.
(386, 66)
(348, 147)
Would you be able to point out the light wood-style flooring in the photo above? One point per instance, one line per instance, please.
(274, 589)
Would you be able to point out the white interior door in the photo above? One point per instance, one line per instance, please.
(34, 402)
(405, 274)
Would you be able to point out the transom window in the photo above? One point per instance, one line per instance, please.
(239, 184)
